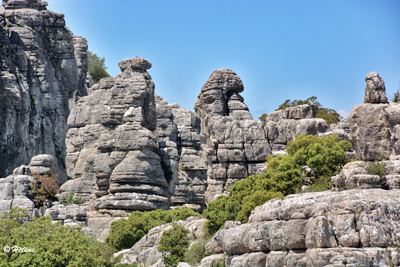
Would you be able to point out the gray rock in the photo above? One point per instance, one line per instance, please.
(375, 91)
(43, 75)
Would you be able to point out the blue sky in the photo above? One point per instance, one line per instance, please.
(280, 49)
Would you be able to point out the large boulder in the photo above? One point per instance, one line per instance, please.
(375, 91)
(43, 73)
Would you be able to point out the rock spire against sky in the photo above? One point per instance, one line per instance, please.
(280, 49)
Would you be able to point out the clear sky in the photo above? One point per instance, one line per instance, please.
(280, 49)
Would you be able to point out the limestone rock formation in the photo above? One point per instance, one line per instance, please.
(112, 144)
(192, 183)
(375, 125)
(42, 74)
(15, 189)
(282, 125)
(375, 91)
(306, 229)
(235, 145)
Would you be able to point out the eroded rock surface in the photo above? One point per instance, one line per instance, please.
(111, 144)
(306, 229)
(42, 75)
(235, 145)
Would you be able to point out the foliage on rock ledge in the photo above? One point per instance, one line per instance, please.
(126, 232)
(283, 176)
(173, 245)
(44, 187)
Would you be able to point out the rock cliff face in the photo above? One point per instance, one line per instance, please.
(357, 227)
(375, 125)
(42, 75)
(112, 146)
(235, 145)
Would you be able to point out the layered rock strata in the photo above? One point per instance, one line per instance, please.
(375, 125)
(357, 227)
(42, 74)
(283, 125)
(356, 175)
(15, 188)
(111, 145)
(235, 145)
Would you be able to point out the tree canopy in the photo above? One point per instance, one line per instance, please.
(97, 67)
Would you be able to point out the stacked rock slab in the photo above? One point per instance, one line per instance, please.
(112, 150)
(192, 162)
(347, 228)
(14, 189)
(282, 125)
(235, 145)
(375, 125)
(39, 80)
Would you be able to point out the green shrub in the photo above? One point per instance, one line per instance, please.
(376, 168)
(53, 244)
(126, 232)
(173, 245)
(72, 200)
(324, 156)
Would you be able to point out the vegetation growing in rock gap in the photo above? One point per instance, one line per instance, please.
(72, 200)
(126, 232)
(283, 176)
(97, 67)
(376, 168)
(44, 188)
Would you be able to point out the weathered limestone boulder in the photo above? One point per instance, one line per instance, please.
(113, 150)
(306, 229)
(375, 125)
(375, 91)
(42, 74)
(375, 130)
(235, 145)
(282, 125)
(72, 215)
(145, 253)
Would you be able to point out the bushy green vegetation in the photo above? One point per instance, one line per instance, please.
(126, 232)
(53, 244)
(329, 115)
(44, 187)
(72, 200)
(97, 67)
(173, 245)
(263, 118)
(283, 176)
(376, 168)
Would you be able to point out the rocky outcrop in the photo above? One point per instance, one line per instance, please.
(375, 91)
(112, 144)
(375, 125)
(15, 189)
(356, 175)
(283, 125)
(356, 227)
(145, 253)
(42, 75)
(235, 145)
(192, 183)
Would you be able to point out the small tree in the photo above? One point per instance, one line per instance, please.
(173, 245)
(44, 187)
(263, 118)
(97, 67)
